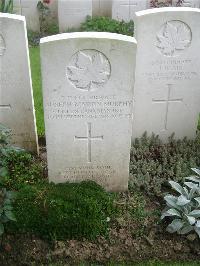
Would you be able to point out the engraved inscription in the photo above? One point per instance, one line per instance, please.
(167, 103)
(89, 106)
(173, 38)
(172, 69)
(102, 174)
(89, 139)
(88, 70)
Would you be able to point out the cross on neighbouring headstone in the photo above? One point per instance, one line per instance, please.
(2, 51)
(167, 102)
(89, 139)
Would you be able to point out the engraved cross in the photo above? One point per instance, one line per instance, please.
(89, 139)
(167, 102)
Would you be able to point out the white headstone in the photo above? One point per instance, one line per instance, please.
(71, 13)
(28, 8)
(125, 9)
(88, 88)
(167, 92)
(16, 101)
(102, 8)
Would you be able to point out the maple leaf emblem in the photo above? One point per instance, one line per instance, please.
(175, 36)
(89, 70)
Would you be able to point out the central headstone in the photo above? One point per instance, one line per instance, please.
(88, 88)
(167, 92)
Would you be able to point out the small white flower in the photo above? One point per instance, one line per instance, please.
(108, 219)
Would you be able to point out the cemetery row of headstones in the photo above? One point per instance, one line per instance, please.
(71, 13)
(93, 101)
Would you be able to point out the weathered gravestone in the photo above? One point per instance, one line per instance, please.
(71, 13)
(88, 88)
(28, 8)
(16, 101)
(125, 9)
(101, 8)
(167, 92)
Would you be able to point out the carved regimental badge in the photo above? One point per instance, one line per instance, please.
(88, 70)
(173, 38)
(2, 45)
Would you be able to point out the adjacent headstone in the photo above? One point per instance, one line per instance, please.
(71, 13)
(167, 92)
(88, 88)
(125, 9)
(16, 101)
(28, 8)
(102, 8)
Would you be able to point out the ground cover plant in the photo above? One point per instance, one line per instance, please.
(63, 211)
(184, 209)
(153, 163)
(105, 24)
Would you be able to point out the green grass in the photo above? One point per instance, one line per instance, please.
(37, 88)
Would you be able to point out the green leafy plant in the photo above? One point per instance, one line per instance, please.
(6, 6)
(154, 163)
(63, 211)
(6, 197)
(48, 26)
(17, 167)
(105, 24)
(6, 208)
(184, 208)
